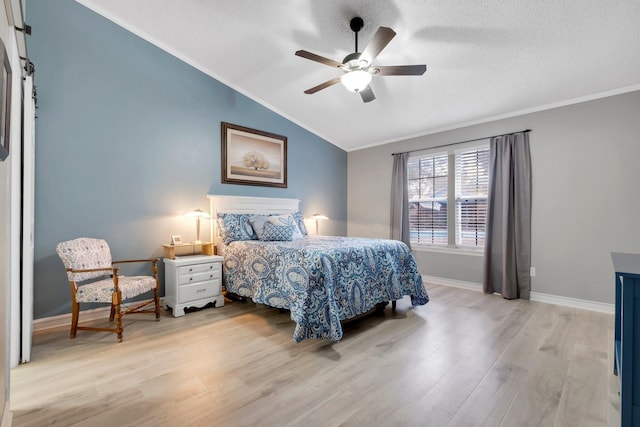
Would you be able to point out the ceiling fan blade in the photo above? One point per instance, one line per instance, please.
(381, 38)
(400, 70)
(323, 85)
(318, 58)
(367, 94)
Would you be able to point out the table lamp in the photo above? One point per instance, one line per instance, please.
(198, 213)
(317, 217)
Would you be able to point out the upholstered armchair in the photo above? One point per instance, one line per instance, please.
(93, 278)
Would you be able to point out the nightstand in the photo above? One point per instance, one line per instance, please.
(192, 281)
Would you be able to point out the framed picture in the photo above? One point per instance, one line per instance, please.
(253, 157)
(176, 240)
(5, 102)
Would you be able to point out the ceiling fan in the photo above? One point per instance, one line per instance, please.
(358, 68)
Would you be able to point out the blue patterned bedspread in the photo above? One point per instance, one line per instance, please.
(323, 280)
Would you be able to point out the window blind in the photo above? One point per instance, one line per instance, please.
(472, 186)
(428, 191)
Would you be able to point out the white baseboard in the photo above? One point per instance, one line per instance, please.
(7, 416)
(573, 302)
(65, 319)
(85, 315)
(535, 296)
(100, 313)
(471, 286)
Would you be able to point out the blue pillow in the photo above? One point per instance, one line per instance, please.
(235, 227)
(277, 233)
(257, 222)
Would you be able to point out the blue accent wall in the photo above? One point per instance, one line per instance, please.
(128, 140)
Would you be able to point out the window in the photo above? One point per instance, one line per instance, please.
(438, 216)
(427, 183)
(472, 186)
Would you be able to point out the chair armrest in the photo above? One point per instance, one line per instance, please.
(114, 270)
(151, 260)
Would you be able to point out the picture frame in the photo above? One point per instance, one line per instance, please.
(253, 157)
(176, 239)
(5, 102)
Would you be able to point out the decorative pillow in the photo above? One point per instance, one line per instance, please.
(273, 232)
(287, 219)
(235, 227)
(300, 222)
(258, 222)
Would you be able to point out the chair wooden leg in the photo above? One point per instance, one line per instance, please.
(75, 307)
(112, 313)
(117, 301)
(156, 298)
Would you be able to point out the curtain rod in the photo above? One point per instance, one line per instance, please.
(461, 142)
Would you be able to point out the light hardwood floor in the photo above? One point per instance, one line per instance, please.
(464, 359)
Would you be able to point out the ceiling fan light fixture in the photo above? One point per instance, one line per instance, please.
(356, 80)
(358, 66)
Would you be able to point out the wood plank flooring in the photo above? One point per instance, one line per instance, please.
(464, 359)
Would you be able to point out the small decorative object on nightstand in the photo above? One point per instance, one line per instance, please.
(192, 281)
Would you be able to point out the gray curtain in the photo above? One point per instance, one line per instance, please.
(400, 199)
(507, 251)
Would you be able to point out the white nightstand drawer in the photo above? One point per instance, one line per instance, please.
(199, 291)
(198, 268)
(198, 277)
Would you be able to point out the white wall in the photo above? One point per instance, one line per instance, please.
(586, 194)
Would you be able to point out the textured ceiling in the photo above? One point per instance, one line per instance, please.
(485, 59)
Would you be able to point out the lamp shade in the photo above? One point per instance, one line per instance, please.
(356, 80)
(198, 213)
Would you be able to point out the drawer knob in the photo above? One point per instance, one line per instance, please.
(190, 278)
(191, 269)
(210, 276)
(210, 267)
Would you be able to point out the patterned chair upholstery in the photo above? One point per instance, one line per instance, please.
(93, 278)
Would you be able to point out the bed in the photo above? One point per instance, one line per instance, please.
(321, 280)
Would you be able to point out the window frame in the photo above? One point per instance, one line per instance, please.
(433, 198)
(452, 197)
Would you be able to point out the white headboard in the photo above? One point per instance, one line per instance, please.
(243, 204)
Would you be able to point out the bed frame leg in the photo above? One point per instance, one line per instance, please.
(393, 305)
(234, 297)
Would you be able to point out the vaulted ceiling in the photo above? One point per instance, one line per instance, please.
(485, 59)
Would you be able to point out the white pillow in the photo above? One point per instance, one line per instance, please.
(257, 222)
